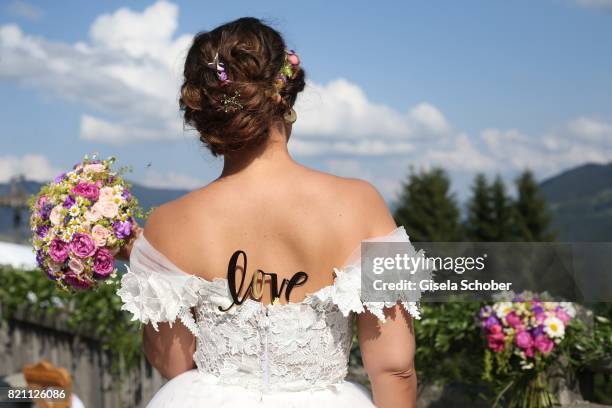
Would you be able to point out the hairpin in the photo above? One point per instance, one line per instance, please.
(220, 68)
(289, 69)
(231, 104)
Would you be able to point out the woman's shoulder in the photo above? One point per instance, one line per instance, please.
(361, 200)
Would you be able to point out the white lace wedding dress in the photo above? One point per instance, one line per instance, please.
(291, 355)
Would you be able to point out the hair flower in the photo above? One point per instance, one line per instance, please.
(220, 68)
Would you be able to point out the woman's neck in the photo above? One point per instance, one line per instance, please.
(269, 155)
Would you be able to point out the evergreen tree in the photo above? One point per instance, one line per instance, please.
(532, 219)
(427, 208)
(502, 205)
(479, 225)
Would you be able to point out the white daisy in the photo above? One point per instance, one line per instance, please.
(502, 309)
(554, 327)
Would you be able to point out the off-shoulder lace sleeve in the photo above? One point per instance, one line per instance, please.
(346, 290)
(154, 290)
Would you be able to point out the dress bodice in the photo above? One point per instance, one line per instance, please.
(299, 346)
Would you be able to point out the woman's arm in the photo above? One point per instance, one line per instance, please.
(387, 350)
(171, 349)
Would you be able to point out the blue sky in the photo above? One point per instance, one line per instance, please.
(472, 86)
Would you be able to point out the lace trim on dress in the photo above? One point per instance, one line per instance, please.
(154, 290)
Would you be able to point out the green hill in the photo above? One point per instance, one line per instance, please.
(581, 202)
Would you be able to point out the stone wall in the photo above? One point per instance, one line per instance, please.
(27, 338)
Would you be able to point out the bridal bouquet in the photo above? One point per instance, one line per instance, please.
(80, 221)
(522, 335)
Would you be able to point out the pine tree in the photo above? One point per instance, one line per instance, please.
(479, 225)
(502, 206)
(532, 219)
(427, 208)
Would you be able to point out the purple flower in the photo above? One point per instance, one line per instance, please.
(122, 229)
(58, 250)
(104, 263)
(223, 76)
(45, 211)
(491, 321)
(87, 190)
(60, 178)
(485, 312)
(537, 309)
(69, 202)
(40, 258)
(51, 274)
(82, 245)
(538, 330)
(126, 194)
(42, 230)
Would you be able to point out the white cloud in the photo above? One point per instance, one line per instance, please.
(339, 118)
(171, 180)
(23, 9)
(129, 71)
(601, 4)
(127, 74)
(33, 166)
(582, 140)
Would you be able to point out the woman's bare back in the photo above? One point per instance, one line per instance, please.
(286, 218)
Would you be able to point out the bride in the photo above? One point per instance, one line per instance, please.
(278, 332)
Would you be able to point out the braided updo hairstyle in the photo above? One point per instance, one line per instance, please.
(252, 54)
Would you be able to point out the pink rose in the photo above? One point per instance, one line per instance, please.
(86, 190)
(107, 194)
(496, 342)
(496, 328)
(58, 250)
(529, 352)
(100, 235)
(108, 209)
(76, 265)
(82, 245)
(104, 263)
(524, 340)
(543, 343)
(93, 214)
(93, 168)
(56, 215)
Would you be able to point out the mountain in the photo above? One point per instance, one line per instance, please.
(581, 202)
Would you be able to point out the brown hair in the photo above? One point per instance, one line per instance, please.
(253, 55)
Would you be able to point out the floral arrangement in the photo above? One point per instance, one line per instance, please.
(523, 332)
(80, 221)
